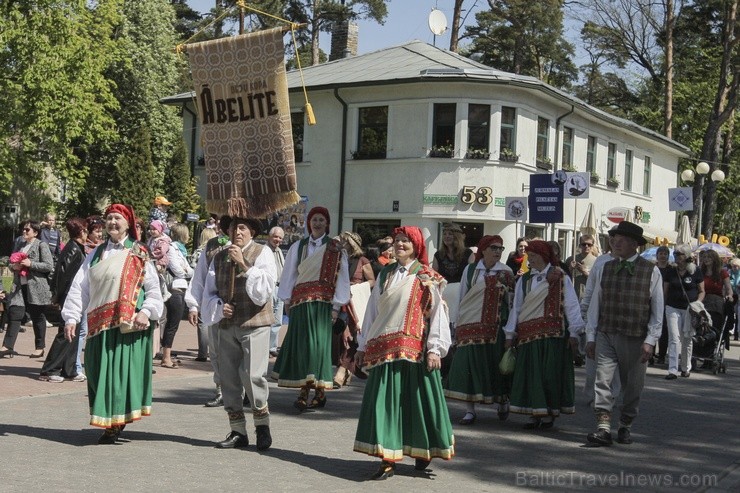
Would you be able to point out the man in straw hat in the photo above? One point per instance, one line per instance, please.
(238, 296)
(627, 310)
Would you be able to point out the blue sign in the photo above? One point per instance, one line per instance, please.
(545, 198)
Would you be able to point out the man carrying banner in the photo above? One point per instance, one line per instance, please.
(238, 296)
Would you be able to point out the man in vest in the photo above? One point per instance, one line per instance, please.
(238, 297)
(627, 310)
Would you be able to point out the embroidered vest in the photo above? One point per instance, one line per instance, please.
(551, 324)
(625, 299)
(247, 314)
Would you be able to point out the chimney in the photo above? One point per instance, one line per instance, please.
(344, 39)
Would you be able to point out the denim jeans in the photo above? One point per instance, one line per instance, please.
(82, 335)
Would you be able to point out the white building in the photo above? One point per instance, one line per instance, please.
(382, 118)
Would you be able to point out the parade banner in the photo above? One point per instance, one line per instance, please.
(681, 199)
(545, 198)
(242, 98)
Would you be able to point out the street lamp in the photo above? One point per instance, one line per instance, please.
(702, 169)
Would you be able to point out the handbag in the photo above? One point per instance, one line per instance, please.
(508, 362)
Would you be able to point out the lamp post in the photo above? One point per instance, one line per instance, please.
(702, 169)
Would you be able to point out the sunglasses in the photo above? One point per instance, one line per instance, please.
(496, 248)
(587, 244)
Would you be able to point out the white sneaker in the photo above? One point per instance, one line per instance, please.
(56, 378)
(80, 377)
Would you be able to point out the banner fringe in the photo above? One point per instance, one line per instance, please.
(258, 207)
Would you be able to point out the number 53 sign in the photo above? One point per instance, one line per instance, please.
(476, 195)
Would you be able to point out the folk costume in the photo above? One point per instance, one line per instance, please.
(112, 286)
(484, 309)
(403, 408)
(244, 339)
(315, 281)
(545, 303)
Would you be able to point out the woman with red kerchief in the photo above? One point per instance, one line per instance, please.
(405, 335)
(485, 289)
(314, 285)
(544, 324)
(118, 290)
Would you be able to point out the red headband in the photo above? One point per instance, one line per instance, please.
(318, 210)
(417, 240)
(128, 213)
(542, 249)
(485, 242)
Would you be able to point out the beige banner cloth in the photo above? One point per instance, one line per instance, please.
(242, 98)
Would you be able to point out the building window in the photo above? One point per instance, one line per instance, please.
(543, 137)
(443, 128)
(508, 128)
(372, 133)
(479, 116)
(296, 122)
(628, 170)
(567, 161)
(647, 174)
(611, 161)
(591, 154)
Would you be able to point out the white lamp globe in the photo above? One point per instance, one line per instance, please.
(702, 168)
(718, 175)
(687, 175)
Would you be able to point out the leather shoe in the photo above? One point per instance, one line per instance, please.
(110, 435)
(234, 440)
(623, 436)
(264, 439)
(468, 419)
(600, 437)
(422, 464)
(671, 376)
(216, 401)
(386, 470)
(685, 374)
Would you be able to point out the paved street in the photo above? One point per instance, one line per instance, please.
(686, 434)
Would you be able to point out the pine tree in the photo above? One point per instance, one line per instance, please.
(135, 174)
(177, 181)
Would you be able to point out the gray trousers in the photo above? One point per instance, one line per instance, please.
(615, 352)
(202, 339)
(214, 336)
(242, 360)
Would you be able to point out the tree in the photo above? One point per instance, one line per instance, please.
(56, 102)
(177, 181)
(134, 183)
(455, 31)
(524, 37)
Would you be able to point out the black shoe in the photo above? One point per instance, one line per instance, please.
(216, 401)
(386, 470)
(201, 358)
(317, 403)
(109, 436)
(578, 361)
(264, 439)
(533, 424)
(685, 374)
(623, 436)
(234, 440)
(671, 376)
(600, 437)
(422, 464)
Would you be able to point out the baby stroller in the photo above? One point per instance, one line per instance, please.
(711, 326)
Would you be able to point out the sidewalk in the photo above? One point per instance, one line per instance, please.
(684, 435)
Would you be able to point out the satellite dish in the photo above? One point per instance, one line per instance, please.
(437, 22)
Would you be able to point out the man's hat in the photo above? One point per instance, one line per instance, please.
(162, 201)
(630, 230)
(253, 224)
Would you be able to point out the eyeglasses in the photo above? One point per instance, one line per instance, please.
(587, 244)
(496, 248)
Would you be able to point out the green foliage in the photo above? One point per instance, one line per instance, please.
(135, 174)
(524, 37)
(177, 182)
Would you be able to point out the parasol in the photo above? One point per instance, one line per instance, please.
(721, 250)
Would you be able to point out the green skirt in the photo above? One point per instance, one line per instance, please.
(119, 377)
(544, 381)
(474, 375)
(305, 355)
(404, 413)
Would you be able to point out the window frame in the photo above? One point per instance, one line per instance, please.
(361, 152)
(508, 129)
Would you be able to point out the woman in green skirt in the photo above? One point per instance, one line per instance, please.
(405, 334)
(485, 289)
(118, 288)
(314, 285)
(545, 303)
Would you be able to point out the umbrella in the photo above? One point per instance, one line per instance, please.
(588, 225)
(652, 253)
(684, 232)
(722, 251)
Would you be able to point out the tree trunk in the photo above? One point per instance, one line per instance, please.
(315, 33)
(669, 23)
(455, 32)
